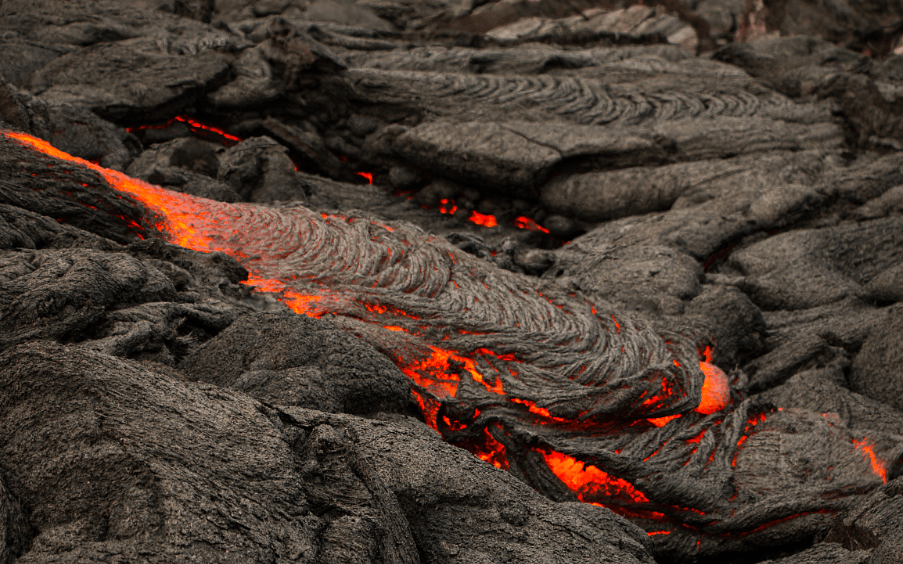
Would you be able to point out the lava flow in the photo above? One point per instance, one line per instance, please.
(196, 127)
(513, 369)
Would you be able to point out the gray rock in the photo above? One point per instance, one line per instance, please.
(346, 13)
(293, 360)
(461, 509)
(185, 165)
(405, 178)
(877, 370)
(129, 438)
(823, 390)
(808, 268)
(130, 79)
(259, 170)
(825, 553)
(21, 60)
(15, 530)
(810, 338)
(873, 523)
(481, 154)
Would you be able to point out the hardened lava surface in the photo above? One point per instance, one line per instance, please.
(580, 399)
(508, 281)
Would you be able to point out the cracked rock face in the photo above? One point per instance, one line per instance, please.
(356, 281)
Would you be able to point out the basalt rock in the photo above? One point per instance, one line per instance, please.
(293, 360)
(241, 481)
(876, 371)
(873, 523)
(537, 227)
(536, 416)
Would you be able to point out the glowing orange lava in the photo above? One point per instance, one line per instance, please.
(878, 467)
(447, 206)
(194, 125)
(526, 223)
(662, 421)
(716, 392)
(367, 175)
(588, 481)
(482, 219)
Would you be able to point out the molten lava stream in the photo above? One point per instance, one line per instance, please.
(205, 225)
(457, 327)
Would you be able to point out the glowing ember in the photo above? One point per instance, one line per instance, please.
(482, 219)
(878, 467)
(367, 175)
(716, 393)
(662, 421)
(528, 224)
(195, 126)
(488, 449)
(589, 482)
(447, 206)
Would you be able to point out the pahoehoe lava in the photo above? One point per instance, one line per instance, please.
(451, 281)
(581, 400)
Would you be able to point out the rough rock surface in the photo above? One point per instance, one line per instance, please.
(289, 359)
(877, 370)
(530, 229)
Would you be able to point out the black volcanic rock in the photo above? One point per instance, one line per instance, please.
(874, 523)
(384, 165)
(180, 472)
(287, 359)
(809, 268)
(461, 510)
(174, 473)
(877, 371)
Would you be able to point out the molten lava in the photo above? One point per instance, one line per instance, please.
(482, 219)
(589, 482)
(523, 222)
(496, 357)
(196, 127)
(715, 389)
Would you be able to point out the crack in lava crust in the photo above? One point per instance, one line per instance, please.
(581, 400)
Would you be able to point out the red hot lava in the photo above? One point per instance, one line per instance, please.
(195, 126)
(493, 356)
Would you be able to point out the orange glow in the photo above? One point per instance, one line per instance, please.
(653, 533)
(447, 206)
(367, 175)
(487, 449)
(178, 219)
(303, 304)
(589, 481)
(878, 467)
(482, 219)
(429, 407)
(531, 407)
(661, 421)
(299, 303)
(194, 125)
(716, 393)
(263, 285)
(526, 223)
